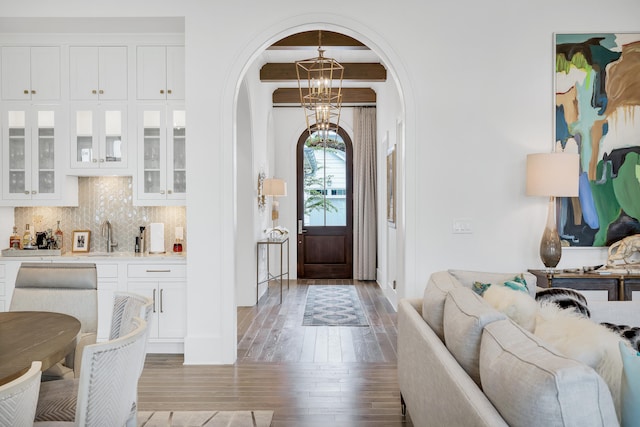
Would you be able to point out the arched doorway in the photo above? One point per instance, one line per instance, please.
(324, 185)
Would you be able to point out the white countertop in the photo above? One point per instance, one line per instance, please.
(101, 256)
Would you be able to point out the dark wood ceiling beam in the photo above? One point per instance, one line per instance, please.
(310, 38)
(349, 96)
(353, 71)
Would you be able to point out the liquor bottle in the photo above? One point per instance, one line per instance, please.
(59, 237)
(14, 239)
(26, 238)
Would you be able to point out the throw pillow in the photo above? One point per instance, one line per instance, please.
(565, 298)
(630, 333)
(630, 386)
(518, 283)
(517, 305)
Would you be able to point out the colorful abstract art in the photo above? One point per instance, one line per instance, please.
(597, 96)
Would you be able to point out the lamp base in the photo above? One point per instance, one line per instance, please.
(550, 245)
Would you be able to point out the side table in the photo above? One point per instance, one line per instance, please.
(281, 243)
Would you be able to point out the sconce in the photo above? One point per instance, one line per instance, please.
(262, 199)
(274, 187)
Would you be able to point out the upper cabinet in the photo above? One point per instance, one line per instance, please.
(98, 73)
(160, 71)
(31, 73)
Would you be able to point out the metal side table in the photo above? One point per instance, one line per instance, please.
(281, 243)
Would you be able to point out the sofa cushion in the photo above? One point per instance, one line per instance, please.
(467, 278)
(435, 293)
(465, 316)
(531, 384)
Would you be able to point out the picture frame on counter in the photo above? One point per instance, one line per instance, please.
(81, 241)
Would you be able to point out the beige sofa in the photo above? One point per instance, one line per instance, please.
(463, 363)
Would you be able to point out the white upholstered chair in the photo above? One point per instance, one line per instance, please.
(63, 288)
(18, 398)
(107, 385)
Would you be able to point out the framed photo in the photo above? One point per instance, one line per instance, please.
(81, 241)
(391, 186)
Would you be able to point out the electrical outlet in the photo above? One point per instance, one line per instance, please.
(462, 226)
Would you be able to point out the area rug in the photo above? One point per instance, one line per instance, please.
(333, 305)
(205, 418)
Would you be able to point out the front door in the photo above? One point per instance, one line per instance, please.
(325, 205)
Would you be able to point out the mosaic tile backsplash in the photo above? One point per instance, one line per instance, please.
(101, 199)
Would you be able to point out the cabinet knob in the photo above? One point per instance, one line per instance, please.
(26, 192)
(100, 91)
(33, 91)
(169, 91)
(94, 91)
(94, 160)
(162, 91)
(170, 191)
(26, 92)
(101, 160)
(161, 191)
(34, 192)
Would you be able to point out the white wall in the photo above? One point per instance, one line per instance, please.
(476, 88)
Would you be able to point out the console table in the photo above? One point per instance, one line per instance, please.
(619, 286)
(281, 244)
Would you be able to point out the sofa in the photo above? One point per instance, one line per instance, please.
(461, 362)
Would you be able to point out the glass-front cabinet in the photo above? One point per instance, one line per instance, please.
(30, 144)
(162, 155)
(98, 137)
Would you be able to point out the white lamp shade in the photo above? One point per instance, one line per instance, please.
(274, 187)
(553, 174)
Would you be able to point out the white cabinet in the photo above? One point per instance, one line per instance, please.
(30, 73)
(98, 136)
(166, 285)
(98, 73)
(160, 72)
(31, 164)
(108, 284)
(8, 273)
(161, 176)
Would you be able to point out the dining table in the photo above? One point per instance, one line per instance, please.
(27, 336)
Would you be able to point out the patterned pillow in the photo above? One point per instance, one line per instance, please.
(565, 298)
(630, 333)
(518, 283)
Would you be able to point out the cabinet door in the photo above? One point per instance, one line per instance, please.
(176, 156)
(84, 137)
(16, 73)
(16, 154)
(175, 72)
(150, 290)
(45, 172)
(113, 73)
(152, 142)
(152, 72)
(98, 136)
(83, 72)
(172, 310)
(45, 73)
(106, 289)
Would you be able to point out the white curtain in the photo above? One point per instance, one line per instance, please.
(364, 194)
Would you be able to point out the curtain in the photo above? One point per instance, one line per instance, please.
(364, 194)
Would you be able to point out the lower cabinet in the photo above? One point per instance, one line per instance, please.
(165, 284)
(8, 273)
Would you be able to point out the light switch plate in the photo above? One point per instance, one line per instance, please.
(462, 226)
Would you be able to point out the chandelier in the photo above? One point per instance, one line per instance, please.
(320, 84)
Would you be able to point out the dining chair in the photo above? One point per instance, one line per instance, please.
(18, 398)
(107, 385)
(126, 307)
(67, 288)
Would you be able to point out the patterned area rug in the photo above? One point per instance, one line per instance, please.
(333, 306)
(205, 418)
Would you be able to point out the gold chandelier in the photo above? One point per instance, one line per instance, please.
(320, 84)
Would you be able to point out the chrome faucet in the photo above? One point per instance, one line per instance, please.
(106, 229)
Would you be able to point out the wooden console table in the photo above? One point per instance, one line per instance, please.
(619, 286)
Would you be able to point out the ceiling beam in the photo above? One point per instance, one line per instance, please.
(349, 96)
(310, 38)
(354, 71)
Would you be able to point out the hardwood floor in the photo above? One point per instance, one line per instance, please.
(308, 375)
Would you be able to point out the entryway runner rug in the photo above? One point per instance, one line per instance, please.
(205, 418)
(333, 305)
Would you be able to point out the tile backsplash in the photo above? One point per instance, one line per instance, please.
(100, 199)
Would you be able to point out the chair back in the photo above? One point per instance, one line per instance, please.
(109, 379)
(126, 307)
(19, 398)
(59, 287)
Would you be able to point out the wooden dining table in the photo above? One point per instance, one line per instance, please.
(26, 336)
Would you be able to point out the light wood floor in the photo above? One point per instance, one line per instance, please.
(308, 375)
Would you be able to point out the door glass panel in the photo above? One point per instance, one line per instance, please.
(84, 136)
(46, 152)
(151, 151)
(113, 136)
(325, 183)
(17, 151)
(179, 152)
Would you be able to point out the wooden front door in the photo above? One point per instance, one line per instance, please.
(325, 206)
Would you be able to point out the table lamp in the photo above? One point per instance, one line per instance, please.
(274, 187)
(552, 175)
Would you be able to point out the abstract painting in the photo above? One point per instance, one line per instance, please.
(597, 97)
